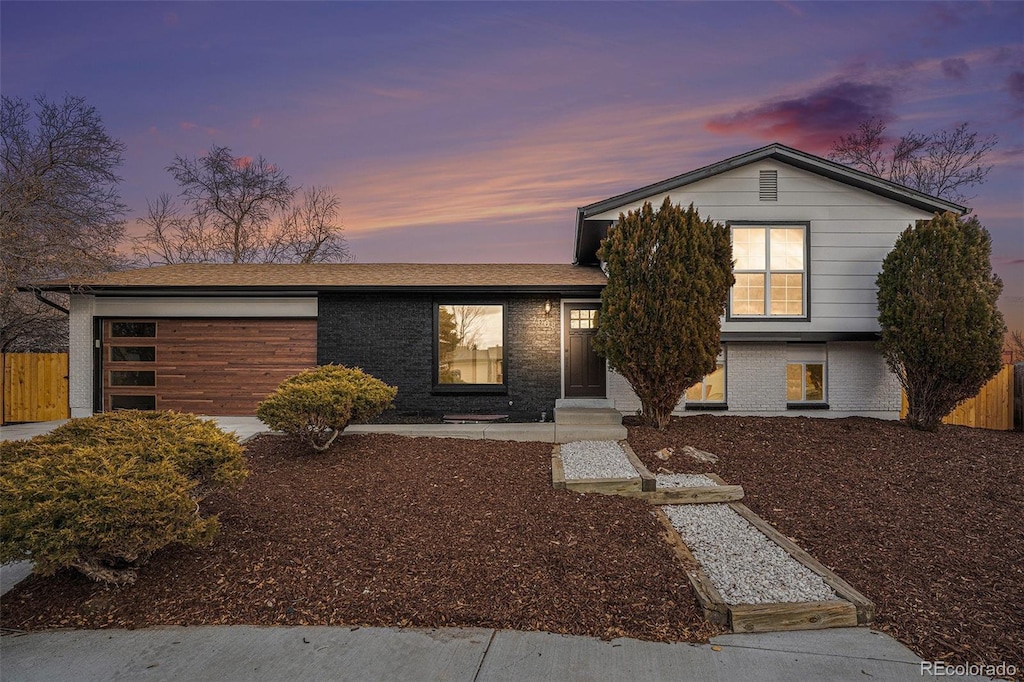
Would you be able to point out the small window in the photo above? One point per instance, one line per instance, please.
(583, 319)
(806, 374)
(127, 378)
(770, 270)
(132, 354)
(133, 329)
(470, 344)
(711, 389)
(133, 402)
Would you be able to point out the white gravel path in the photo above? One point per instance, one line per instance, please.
(596, 459)
(684, 481)
(745, 566)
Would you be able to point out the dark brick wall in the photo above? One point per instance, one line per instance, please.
(391, 337)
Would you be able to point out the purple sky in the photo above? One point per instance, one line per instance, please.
(470, 132)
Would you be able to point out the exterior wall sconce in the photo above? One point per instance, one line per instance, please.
(547, 307)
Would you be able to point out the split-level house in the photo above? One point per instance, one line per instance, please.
(798, 338)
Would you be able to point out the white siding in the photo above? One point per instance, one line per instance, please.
(851, 231)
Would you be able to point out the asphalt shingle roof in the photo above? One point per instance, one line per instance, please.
(343, 275)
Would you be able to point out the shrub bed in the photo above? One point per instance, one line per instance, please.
(101, 494)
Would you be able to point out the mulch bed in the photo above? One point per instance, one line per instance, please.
(391, 531)
(930, 526)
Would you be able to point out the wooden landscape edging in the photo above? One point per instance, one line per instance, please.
(865, 607)
(850, 610)
(603, 486)
(644, 486)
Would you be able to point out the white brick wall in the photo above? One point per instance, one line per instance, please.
(80, 355)
(859, 383)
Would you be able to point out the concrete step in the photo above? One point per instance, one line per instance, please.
(582, 415)
(594, 403)
(567, 433)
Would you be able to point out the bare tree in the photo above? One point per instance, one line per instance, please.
(1015, 344)
(943, 163)
(60, 211)
(240, 210)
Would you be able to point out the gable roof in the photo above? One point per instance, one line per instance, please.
(778, 152)
(311, 278)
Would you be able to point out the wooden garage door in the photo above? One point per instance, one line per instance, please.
(205, 366)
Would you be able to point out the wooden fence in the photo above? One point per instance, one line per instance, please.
(35, 387)
(992, 408)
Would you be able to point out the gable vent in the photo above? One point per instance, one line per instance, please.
(768, 187)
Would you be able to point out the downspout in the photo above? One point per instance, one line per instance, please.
(42, 299)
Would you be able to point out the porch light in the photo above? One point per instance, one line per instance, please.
(547, 307)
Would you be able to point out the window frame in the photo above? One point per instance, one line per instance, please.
(768, 225)
(711, 404)
(808, 355)
(437, 388)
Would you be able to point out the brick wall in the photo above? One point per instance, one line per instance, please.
(391, 337)
(859, 383)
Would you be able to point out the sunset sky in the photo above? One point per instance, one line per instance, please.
(470, 132)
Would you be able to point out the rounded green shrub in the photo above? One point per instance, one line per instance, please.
(195, 447)
(102, 493)
(101, 509)
(316, 405)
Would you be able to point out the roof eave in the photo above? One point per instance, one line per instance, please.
(783, 154)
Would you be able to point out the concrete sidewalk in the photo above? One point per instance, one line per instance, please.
(471, 654)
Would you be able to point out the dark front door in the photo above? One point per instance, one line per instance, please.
(584, 369)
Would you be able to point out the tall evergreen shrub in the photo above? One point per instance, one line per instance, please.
(942, 333)
(669, 274)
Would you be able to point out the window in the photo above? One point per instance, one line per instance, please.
(132, 402)
(583, 319)
(805, 375)
(132, 354)
(710, 389)
(470, 344)
(129, 378)
(132, 329)
(770, 271)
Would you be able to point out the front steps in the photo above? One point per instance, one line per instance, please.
(575, 421)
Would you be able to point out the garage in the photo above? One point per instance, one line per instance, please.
(205, 366)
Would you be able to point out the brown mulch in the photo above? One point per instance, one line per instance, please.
(930, 526)
(391, 531)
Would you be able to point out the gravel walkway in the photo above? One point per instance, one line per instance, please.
(745, 566)
(684, 481)
(596, 459)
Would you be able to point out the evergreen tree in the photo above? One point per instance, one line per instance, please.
(669, 274)
(942, 333)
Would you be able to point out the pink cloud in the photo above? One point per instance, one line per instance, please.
(256, 122)
(811, 122)
(188, 125)
(243, 162)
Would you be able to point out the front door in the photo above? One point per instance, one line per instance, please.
(584, 368)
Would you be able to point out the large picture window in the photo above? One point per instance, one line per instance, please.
(770, 270)
(470, 344)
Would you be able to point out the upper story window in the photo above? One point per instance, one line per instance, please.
(770, 270)
(470, 344)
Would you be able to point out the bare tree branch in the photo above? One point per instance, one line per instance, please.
(943, 163)
(241, 210)
(60, 211)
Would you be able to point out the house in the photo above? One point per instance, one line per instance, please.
(809, 237)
